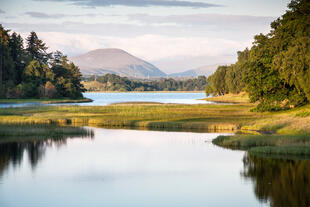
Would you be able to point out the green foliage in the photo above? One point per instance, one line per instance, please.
(33, 72)
(275, 71)
(112, 82)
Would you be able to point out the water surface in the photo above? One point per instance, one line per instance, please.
(124, 168)
(102, 99)
(171, 97)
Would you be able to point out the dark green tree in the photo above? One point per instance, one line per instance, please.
(37, 49)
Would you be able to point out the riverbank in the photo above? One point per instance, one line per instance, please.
(230, 98)
(145, 91)
(284, 145)
(167, 116)
(27, 132)
(285, 126)
(45, 100)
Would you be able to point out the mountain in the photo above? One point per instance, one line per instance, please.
(115, 61)
(203, 70)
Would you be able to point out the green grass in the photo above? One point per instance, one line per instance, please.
(166, 116)
(15, 130)
(289, 127)
(267, 144)
(230, 98)
(45, 100)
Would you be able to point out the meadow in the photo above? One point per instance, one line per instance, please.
(282, 132)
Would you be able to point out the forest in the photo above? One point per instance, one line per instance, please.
(275, 70)
(112, 82)
(33, 72)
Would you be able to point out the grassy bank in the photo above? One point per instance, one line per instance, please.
(40, 130)
(45, 100)
(290, 129)
(167, 116)
(230, 98)
(284, 145)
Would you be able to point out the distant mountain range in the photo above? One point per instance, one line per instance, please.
(203, 70)
(115, 61)
(119, 62)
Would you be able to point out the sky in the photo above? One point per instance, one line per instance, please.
(174, 35)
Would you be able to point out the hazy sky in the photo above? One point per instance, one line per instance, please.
(174, 35)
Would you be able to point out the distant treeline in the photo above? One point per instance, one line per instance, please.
(275, 71)
(32, 72)
(112, 82)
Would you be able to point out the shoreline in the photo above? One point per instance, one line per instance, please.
(280, 133)
(44, 101)
(144, 92)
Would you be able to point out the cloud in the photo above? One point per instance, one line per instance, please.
(233, 27)
(138, 3)
(41, 15)
(2, 12)
(150, 47)
(162, 50)
(221, 21)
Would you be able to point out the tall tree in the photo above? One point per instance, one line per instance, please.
(37, 49)
(7, 72)
(17, 54)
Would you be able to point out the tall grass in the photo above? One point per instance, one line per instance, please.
(267, 144)
(208, 117)
(42, 131)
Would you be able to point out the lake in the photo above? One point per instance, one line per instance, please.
(102, 99)
(118, 167)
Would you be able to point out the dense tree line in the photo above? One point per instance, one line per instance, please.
(275, 71)
(32, 72)
(112, 82)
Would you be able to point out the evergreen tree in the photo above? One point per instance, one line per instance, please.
(37, 49)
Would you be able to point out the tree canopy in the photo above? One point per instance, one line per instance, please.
(112, 82)
(32, 72)
(275, 71)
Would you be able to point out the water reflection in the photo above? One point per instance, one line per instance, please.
(12, 153)
(279, 182)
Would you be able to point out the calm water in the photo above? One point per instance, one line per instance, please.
(181, 98)
(109, 98)
(124, 168)
(146, 168)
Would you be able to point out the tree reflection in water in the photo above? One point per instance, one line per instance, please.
(12, 153)
(278, 181)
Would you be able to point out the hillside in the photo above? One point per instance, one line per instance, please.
(203, 70)
(115, 61)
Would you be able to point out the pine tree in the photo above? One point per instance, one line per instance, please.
(37, 49)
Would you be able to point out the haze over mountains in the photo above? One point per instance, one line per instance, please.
(120, 62)
(115, 61)
(203, 70)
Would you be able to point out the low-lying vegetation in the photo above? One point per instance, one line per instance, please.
(26, 131)
(230, 98)
(46, 100)
(167, 116)
(268, 144)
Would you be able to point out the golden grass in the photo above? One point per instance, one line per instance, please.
(208, 117)
(230, 98)
(166, 116)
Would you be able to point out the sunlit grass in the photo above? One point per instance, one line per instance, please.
(213, 117)
(38, 130)
(267, 144)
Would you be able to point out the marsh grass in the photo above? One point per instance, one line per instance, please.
(208, 117)
(230, 98)
(7, 131)
(46, 100)
(267, 144)
(289, 129)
